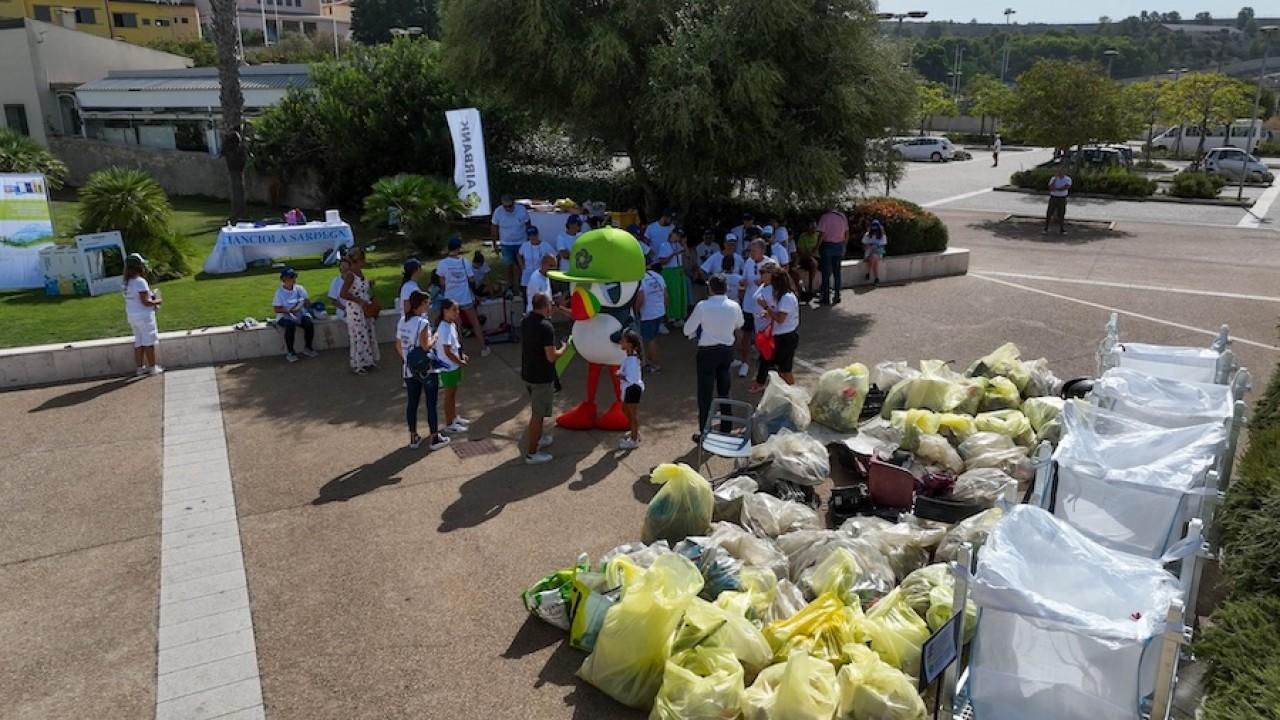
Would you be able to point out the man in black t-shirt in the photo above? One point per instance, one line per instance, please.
(538, 354)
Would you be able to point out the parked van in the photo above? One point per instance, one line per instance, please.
(1235, 135)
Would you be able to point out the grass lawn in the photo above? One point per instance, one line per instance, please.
(32, 318)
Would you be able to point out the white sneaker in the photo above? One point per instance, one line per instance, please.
(437, 444)
(309, 352)
(291, 357)
(662, 330)
(462, 421)
(742, 370)
(455, 427)
(537, 458)
(140, 372)
(484, 351)
(545, 441)
(627, 443)
(156, 369)
(415, 443)
(735, 365)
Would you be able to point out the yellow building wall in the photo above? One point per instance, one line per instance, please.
(155, 21)
(100, 25)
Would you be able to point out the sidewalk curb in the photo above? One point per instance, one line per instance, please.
(1130, 198)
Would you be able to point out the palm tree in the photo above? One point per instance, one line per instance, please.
(231, 97)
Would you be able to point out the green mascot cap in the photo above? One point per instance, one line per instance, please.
(603, 255)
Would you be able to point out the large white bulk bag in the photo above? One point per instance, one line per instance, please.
(1161, 401)
(1068, 629)
(1130, 485)
(1188, 364)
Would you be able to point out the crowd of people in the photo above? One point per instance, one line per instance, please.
(738, 300)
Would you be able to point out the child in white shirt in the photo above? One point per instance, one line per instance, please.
(450, 360)
(632, 385)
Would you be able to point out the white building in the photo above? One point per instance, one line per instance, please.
(42, 64)
(177, 109)
(274, 18)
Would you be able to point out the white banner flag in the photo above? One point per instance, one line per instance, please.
(470, 172)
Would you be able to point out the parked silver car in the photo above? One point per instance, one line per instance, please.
(935, 149)
(1229, 162)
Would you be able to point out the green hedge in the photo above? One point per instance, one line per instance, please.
(619, 191)
(1241, 643)
(1196, 185)
(910, 228)
(1270, 149)
(1114, 181)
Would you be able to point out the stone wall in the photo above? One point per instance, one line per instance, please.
(180, 172)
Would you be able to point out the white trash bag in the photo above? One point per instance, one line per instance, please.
(781, 406)
(1067, 625)
(1161, 401)
(796, 457)
(1188, 364)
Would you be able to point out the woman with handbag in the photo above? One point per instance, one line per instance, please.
(362, 314)
(777, 337)
(414, 342)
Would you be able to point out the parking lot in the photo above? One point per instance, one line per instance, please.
(384, 582)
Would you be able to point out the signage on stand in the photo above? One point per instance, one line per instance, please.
(470, 168)
(26, 226)
(940, 650)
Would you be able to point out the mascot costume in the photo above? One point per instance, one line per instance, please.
(605, 270)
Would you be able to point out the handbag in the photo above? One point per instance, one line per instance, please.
(764, 341)
(421, 362)
(373, 310)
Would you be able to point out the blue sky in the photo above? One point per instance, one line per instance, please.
(1059, 12)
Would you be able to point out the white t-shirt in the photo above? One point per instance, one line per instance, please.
(539, 284)
(456, 272)
(480, 273)
(782, 236)
(133, 307)
(788, 304)
(406, 290)
(657, 233)
(287, 299)
(715, 264)
(780, 253)
(995, 146)
(655, 299)
(629, 372)
(407, 332)
(532, 256)
(705, 250)
(717, 318)
(733, 287)
(511, 223)
(751, 278)
(335, 291)
(1059, 187)
(669, 248)
(564, 246)
(644, 248)
(447, 336)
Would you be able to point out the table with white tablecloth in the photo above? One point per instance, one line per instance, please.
(237, 246)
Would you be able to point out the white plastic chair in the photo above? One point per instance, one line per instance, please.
(734, 444)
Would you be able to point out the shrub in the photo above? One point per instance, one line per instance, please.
(422, 205)
(1267, 148)
(130, 201)
(619, 191)
(1112, 181)
(1244, 633)
(21, 154)
(1266, 414)
(1256, 477)
(909, 227)
(1196, 185)
(1145, 164)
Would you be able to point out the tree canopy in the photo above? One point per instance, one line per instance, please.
(1205, 100)
(776, 97)
(1061, 104)
(372, 20)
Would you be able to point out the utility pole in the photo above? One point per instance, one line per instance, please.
(1267, 32)
(913, 14)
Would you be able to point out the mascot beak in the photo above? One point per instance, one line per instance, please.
(582, 306)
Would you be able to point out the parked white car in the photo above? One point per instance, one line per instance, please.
(935, 149)
(1228, 162)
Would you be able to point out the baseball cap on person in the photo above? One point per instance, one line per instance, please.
(291, 273)
(531, 230)
(455, 243)
(767, 231)
(730, 237)
(135, 259)
(410, 265)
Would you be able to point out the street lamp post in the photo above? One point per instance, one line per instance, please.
(1267, 32)
(333, 17)
(913, 14)
(262, 10)
(957, 72)
(1177, 75)
(1111, 56)
(1004, 64)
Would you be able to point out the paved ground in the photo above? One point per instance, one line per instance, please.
(384, 582)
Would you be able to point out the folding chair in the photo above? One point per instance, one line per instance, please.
(734, 444)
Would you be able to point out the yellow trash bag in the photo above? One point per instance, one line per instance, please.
(913, 424)
(635, 641)
(713, 626)
(870, 689)
(838, 573)
(957, 427)
(821, 629)
(681, 508)
(1010, 423)
(701, 683)
(1004, 361)
(1001, 394)
(897, 632)
(838, 399)
(802, 688)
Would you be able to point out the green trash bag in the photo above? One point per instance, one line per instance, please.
(632, 648)
(870, 689)
(837, 401)
(897, 632)
(802, 688)
(1001, 394)
(682, 507)
(701, 683)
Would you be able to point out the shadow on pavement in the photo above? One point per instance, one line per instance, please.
(368, 477)
(1028, 229)
(561, 670)
(82, 395)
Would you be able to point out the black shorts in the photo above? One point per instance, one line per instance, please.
(748, 324)
(631, 396)
(784, 351)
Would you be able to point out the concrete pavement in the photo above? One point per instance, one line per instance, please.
(384, 582)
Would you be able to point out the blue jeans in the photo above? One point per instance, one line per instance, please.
(417, 387)
(291, 327)
(830, 256)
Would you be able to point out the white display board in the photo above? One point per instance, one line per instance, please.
(26, 226)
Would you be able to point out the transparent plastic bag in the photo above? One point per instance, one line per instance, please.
(972, 530)
(905, 544)
(701, 683)
(721, 572)
(593, 596)
(728, 497)
(787, 601)
(1001, 394)
(1043, 413)
(682, 507)
(871, 689)
(897, 633)
(781, 406)
(1011, 423)
(935, 450)
(750, 549)
(713, 626)
(983, 486)
(802, 688)
(1041, 382)
(806, 548)
(1161, 401)
(759, 590)
(1005, 361)
(890, 373)
(956, 427)
(839, 396)
(769, 517)
(632, 648)
(795, 457)
(1187, 364)
(821, 629)
(913, 424)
